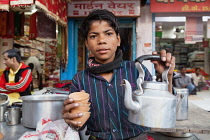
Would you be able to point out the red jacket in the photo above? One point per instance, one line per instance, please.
(23, 79)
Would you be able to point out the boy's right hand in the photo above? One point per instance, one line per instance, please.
(68, 116)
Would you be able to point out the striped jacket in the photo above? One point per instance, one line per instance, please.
(22, 83)
(109, 117)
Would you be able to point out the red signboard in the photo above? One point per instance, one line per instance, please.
(193, 30)
(180, 6)
(119, 8)
(4, 5)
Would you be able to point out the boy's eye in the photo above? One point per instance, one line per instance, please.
(109, 33)
(92, 36)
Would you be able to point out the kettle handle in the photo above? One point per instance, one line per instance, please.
(147, 57)
(153, 57)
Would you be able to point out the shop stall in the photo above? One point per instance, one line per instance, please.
(182, 29)
(38, 29)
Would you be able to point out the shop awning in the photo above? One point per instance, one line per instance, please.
(56, 10)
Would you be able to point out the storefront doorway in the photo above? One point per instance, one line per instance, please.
(171, 36)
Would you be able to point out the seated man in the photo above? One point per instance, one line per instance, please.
(16, 78)
(198, 79)
(184, 81)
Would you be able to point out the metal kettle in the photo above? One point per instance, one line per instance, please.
(153, 105)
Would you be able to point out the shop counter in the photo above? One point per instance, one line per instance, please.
(13, 132)
(197, 123)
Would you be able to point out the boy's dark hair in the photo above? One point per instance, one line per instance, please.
(99, 15)
(13, 53)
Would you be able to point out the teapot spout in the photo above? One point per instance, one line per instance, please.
(131, 105)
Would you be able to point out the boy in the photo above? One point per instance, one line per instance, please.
(102, 80)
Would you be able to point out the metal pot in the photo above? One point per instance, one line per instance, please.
(4, 101)
(36, 107)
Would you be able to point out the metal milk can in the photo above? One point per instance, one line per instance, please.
(151, 104)
(182, 103)
(4, 101)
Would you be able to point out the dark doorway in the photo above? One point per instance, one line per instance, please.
(125, 46)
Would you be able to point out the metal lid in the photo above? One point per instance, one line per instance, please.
(155, 85)
(4, 99)
(181, 90)
(49, 97)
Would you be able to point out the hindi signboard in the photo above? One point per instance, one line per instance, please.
(119, 8)
(180, 6)
(193, 30)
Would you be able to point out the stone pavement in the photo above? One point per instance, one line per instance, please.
(202, 100)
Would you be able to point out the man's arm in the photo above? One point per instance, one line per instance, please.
(177, 83)
(189, 80)
(2, 84)
(203, 79)
(22, 84)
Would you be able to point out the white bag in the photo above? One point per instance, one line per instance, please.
(48, 130)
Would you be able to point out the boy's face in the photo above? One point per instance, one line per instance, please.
(102, 41)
